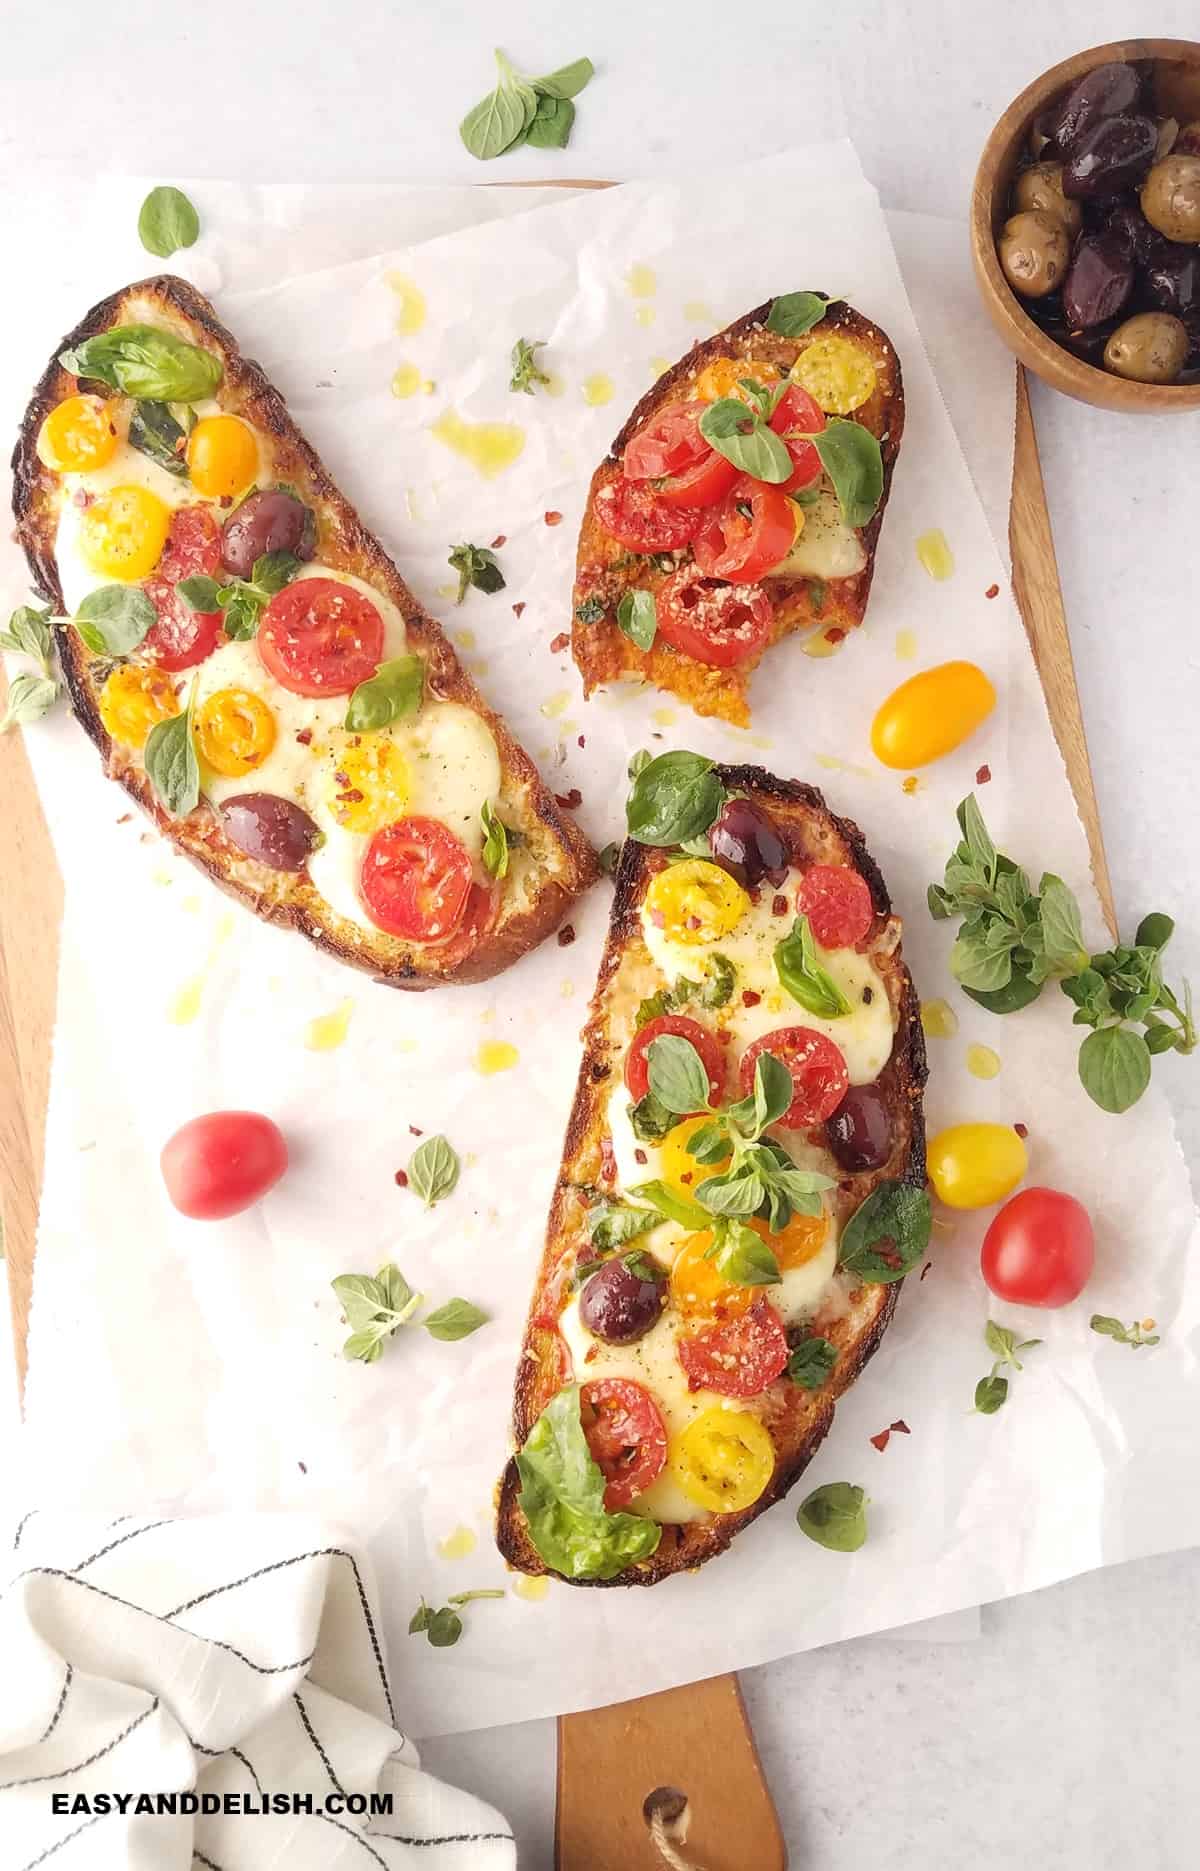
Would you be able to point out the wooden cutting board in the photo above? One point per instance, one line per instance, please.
(695, 1741)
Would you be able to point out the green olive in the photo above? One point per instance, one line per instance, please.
(1034, 248)
(1171, 197)
(1148, 349)
(1040, 186)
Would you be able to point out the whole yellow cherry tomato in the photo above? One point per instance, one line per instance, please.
(695, 901)
(931, 714)
(837, 373)
(371, 785)
(679, 1170)
(698, 1287)
(79, 433)
(721, 378)
(723, 1460)
(222, 456)
(235, 731)
(799, 1241)
(122, 534)
(974, 1165)
(134, 700)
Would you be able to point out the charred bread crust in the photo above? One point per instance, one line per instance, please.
(562, 862)
(800, 1419)
(602, 653)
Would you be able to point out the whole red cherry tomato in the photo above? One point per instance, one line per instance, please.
(1039, 1250)
(223, 1162)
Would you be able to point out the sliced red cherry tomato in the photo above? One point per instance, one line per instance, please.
(183, 637)
(718, 624)
(416, 880)
(712, 1057)
(1039, 1250)
(817, 1067)
(796, 410)
(320, 637)
(626, 1436)
(837, 902)
(221, 1163)
(671, 450)
(738, 1358)
(633, 514)
(751, 530)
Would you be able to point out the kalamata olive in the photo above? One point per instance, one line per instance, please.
(1040, 186)
(1172, 283)
(1106, 91)
(747, 844)
(1171, 198)
(1034, 248)
(618, 1305)
(1149, 348)
(1114, 154)
(1126, 219)
(267, 521)
(1099, 280)
(273, 831)
(860, 1131)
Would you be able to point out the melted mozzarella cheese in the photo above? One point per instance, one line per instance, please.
(128, 468)
(825, 547)
(802, 1289)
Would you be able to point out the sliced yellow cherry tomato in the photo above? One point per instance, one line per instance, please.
(695, 902)
(720, 378)
(78, 434)
(222, 456)
(372, 785)
(974, 1165)
(235, 731)
(799, 1241)
(697, 1286)
(723, 1460)
(931, 714)
(837, 373)
(679, 1169)
(122, 534)
(133, 701)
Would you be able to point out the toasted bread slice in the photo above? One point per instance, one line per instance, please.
(851, 1316)
(550, 864)
(802, 599)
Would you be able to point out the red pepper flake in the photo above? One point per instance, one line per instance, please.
(582, 741)
(693, 922)
(687, 1176)
(414, 1130)
(900, 1427)
(570, 800)
(303, 1467)
(353, 796)
(82, 498)
(779, 905)
(501, 539)
(982, 775)
(925, 1268)
(639, 1156)
(880, 1441)
(1022, 1130)
(304, 736)
(124, 818)
(834, 635)
(560, 642)
(401, 1179)
(566, 935)
(226, 500)
(593, 1351)
(552, 518)
(750, 998)
(993, 591)
(518, 608)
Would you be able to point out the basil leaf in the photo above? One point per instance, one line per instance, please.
(637, 618)
(808, 983)
(651, 1120)
(552, 123)
(495, 840)
(113, 620)
(742, 1256)
(433, 1170)
(886, 1237)
(611, 1224)
(568, 81)
(458, 1318)
(157, 433)
(592, 611)
(834, 1516)
(499, 121)
(145, 362)
(29, 698)
(444, 1628)
(562, 1499)
(391, 694)
(991, 1393)
(1114, 1067)
(852, 459)
(1062, 927)
(677, 1074)
(774, 1090)
(674, 797)
(645, 1266)
(200, 593)
(525, 370)
(811, 1363)
(740, 434)
(171, 764)
(1154, 931)
(794, 313)
(670, 1203)
(167, 221)
(30, 633)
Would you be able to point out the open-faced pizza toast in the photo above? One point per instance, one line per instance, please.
(742, 1184)
(741, 501)
(254, 670)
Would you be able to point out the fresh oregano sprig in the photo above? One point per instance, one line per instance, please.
(522, 109)
(477, 567)
(526, 371)
(991, 1392)
(444, 1626)
(376, 1309)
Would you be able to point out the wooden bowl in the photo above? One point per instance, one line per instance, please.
(1176, 93)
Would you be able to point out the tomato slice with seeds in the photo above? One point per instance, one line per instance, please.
(320, 637)
(416, 880)
(738, 1358)
(712, 1056)
(672, 451)
(626, 1436)
(751, 531)
(715, 623)
(837, 902)
(817, 1067)
(182, 637)
(633, 514)
(796, 410)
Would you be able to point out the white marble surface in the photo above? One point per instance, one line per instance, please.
(1065, 1735)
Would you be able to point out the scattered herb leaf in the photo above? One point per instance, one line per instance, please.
(835, 1516)
(433, 1170)
(525, 370)
(476, 566)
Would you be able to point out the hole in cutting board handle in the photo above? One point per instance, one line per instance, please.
(668, 1818)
